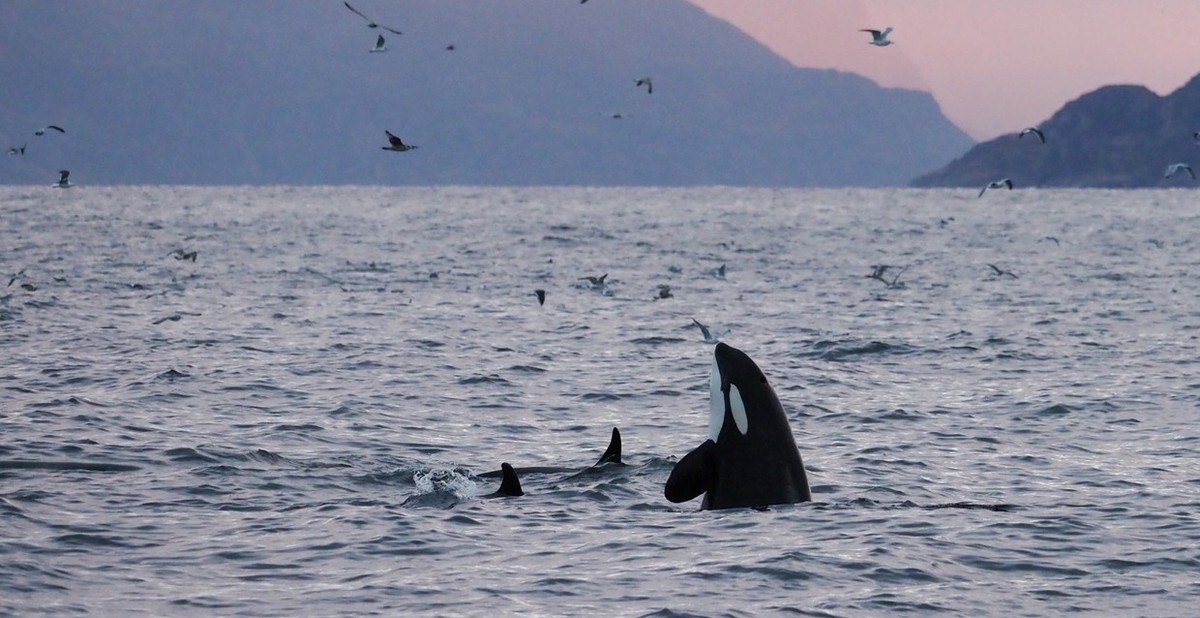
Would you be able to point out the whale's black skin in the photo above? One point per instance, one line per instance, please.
(511, 485)
(84, 466)
(750, 458)
(612, 455)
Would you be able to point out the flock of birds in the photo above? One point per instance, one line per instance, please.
(395, 142)
(880, 38)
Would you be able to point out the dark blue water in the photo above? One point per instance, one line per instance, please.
(293, 423)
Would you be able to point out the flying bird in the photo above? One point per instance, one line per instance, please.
(645, 81)
(707, 334)
(879, 37)
(1003, 183)
(541, 296)
(63, 181)
(877, 271)
(1175, 168)
(1000, 272)
(597, 282)
(380, 45)
(1034, 130)
(664, 292)
(395, 143)
(49, 127)
(17, 151)
(370, 22)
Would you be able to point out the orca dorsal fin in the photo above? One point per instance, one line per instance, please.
(511, 485)
(613, 453)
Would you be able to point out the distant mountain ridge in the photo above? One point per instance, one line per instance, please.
(1118, 136)
(537, 92)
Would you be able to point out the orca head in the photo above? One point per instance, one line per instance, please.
(734, 375)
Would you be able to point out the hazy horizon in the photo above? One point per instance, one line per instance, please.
(992, 67)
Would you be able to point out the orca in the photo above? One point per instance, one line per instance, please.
(510, 486)
(82, 466)
(612, 455)
(750, 458)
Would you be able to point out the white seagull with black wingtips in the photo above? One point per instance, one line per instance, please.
(879, 37)
(396, 144)
(1003, 183)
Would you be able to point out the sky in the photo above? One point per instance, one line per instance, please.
(994, 66)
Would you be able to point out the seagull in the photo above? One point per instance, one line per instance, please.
(450, 47)
(395, 143)
(370, 22)
(15, 277)
(719, 272)
(63, 183)
(664, 292)
(1175, 168)
(180, 254)
(1196, 137)
(52, 127)
(541, 296)
(1034, 130)
(877, 274)
(878, 37)
(17, 151)
(597, 282)
(708, 336)
(1003, 183)
(645, 81)
(380, 45)
(1000, 272)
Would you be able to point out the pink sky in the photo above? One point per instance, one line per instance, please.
(995, 66)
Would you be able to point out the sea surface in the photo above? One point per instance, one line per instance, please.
(294, 423)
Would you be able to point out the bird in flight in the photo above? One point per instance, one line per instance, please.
(1035, 131)
(645, 81)
(17, 151)
(380, 45)
(63, 181)
(879, 37)
(395, 143)
(1003, 183)
(1175, 168)
(1000, 272)
(50, 127)
(597, 282)
(370, 22)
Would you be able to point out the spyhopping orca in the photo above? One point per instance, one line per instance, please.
(612, 455)
(750, 458)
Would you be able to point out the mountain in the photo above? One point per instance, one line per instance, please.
(1113, 137)
(285, 92)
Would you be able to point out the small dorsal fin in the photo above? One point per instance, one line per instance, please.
(613, 453)
(511, 485)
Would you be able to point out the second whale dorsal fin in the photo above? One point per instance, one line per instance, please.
(613, 453)
(511, 485)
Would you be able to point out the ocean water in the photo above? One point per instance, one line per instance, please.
(294, 423)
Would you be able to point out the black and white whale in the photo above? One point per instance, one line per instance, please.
(510, 485)
(612, 455)
(750, 458)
